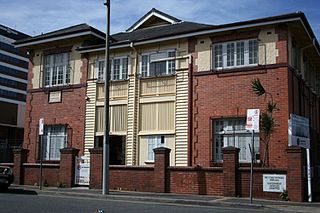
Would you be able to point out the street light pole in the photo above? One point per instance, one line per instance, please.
(105, 175)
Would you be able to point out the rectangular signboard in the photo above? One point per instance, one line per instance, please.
(82, 171)
(253, 119)
(298, 131)
(274, 183)
(41, 126)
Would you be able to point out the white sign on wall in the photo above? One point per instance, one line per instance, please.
(253, 119)
(274, 183)
(41, 126)
(298, 131)
(82, 171)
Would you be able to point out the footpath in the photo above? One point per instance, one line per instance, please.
(201, 200)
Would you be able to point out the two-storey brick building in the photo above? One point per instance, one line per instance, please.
(181, 85)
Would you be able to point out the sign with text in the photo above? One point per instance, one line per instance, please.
(82, 171)
(274, 183)
(55, 97)
(253, 120)
(41, 126)
(298, 131)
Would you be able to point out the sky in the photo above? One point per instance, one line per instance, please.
(34, 17)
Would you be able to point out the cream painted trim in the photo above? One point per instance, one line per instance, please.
(193, 34)
(113, 102)
(58, 38)
(157, 99)
(12, 101)
(14, 67)
(9, 125)
(149, 16)
(141, 133)
(122, 133)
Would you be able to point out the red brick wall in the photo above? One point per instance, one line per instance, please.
(50, 174)
(230, 95)
(244, 181)
(132, 178)
(70, 111)
(196, 180)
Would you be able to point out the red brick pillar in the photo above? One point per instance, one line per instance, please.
(230, 168)
(295, 180)
(96, 168)
(67, 166)
(19, 157)
(161, 163)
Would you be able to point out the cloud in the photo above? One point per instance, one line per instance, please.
(40, 16)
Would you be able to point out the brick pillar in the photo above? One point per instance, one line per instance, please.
(295, 180)
(161, 163)
(19, 157)
(67, 166)
(230, 168)
(96, 168)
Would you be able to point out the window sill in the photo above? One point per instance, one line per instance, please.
(149, 162)
(113, 81)
(157, 76)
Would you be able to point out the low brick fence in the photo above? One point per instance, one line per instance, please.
(228, 180)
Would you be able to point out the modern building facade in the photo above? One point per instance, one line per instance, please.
(13, 86)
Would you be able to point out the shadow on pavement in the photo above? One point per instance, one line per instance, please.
(18, 191)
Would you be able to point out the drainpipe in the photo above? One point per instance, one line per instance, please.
(134, 158)
(190, 113)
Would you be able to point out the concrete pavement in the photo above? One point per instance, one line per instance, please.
(201, 200)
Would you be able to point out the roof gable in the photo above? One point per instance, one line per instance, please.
(153, 18)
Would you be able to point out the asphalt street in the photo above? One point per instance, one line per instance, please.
(31, 202)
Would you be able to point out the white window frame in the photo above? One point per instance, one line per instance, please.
(51, 70)
(122, 75)
(154, 141)
(167, 60)
(49, 138)
(235, 135)
(225, 55)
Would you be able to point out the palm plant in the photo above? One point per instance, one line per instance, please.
(267, 122)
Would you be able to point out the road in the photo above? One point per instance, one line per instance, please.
(31, 202)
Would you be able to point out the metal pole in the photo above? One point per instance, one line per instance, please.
(251, 167)
(41, 150)
(105, 175)
(309, 176)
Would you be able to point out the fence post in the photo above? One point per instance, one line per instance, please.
(295, 180)
(230, 169)
(96, 168)
(67, 166)
(161, 163)
(20, 157)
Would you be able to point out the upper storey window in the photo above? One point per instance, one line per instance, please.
(119, 69)
(158, 64)
(235, 54)
(56, 69)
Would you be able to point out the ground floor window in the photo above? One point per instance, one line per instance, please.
(232, 132)
(154, 141)
(53, 139)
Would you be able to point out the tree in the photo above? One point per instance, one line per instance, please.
(267, 121)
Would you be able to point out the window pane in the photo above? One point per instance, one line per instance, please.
(144, 65)
(253, 51)
(100, 74)
(116, 69)
(218, 55)
(53, 140)
(231, 132)
(240, 53)
(230, 54)
(153, 142)
(171, 63)
(158, 68)
(56, 68)
(124, 70)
